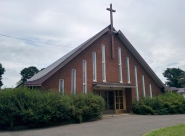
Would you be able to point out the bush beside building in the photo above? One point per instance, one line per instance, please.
(168, 103)
(24, 108)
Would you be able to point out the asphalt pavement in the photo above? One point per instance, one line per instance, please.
(110, 125)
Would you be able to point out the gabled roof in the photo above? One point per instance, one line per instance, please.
(140, 59)
(40, 77)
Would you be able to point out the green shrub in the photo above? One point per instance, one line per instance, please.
(141, 107)
(33, 108)
(169, 103)
(87, 107)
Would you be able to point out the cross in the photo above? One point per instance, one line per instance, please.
(111, 21)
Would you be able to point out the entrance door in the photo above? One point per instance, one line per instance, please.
(115, 100)
(119, 99)
(109, 97)
(109, 100)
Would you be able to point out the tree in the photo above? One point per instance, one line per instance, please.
(27, 73)
(182, 80)
(2, 70)
(173, 76)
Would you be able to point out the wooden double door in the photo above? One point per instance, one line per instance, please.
(115, 100)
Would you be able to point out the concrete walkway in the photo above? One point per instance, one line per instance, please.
(110, 125)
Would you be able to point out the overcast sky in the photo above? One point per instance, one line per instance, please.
(156, 28)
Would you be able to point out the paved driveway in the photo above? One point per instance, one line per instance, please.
(118, 125)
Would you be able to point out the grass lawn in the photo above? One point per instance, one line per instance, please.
(178, 130)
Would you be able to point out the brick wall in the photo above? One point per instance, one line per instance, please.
(112, 72)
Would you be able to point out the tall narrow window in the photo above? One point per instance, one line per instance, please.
(84, 63)
(103, 64)
(136, 82)
(128, 70)
(61, 86)
(94, 66)
(150, 88)
(143, 85)
(73, 81)
(120, 65)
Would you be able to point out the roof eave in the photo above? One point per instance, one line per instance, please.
(32, 83)
(39, 81)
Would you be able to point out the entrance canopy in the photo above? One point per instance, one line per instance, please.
(111, 86)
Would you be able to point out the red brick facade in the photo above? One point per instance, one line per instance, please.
(112, 72)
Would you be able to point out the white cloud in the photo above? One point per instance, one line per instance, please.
(155, 28)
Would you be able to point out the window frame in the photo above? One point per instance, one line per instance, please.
(84, 71)
(128, 70)
(143, 85)
(150, 89)
(73, 81)
(136, 82)
(103, 64)
(61, 91)
(94, 66)
(120, 65)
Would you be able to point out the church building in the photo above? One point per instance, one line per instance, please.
(106, 64)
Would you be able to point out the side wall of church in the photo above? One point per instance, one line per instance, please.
(112, 72)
